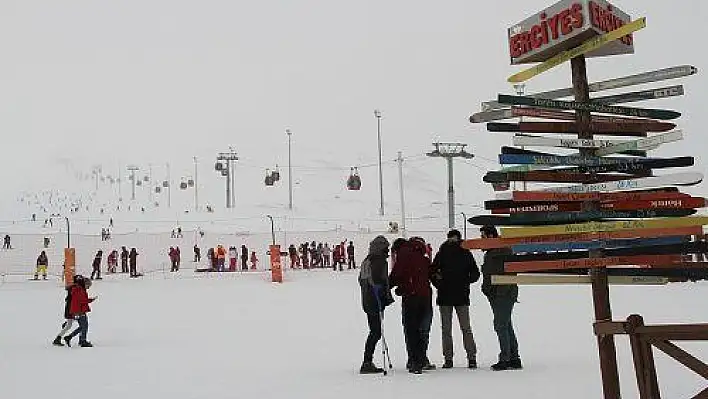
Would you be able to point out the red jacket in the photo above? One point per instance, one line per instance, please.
(411, 271)
(79, 301)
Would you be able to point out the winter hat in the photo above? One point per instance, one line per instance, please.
(454, 234)
(490, 230)
(379, 246)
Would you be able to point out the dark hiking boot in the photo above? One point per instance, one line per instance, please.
(85, 344)
(67, 339)
(370, 368)
(416, 369)
(515, 364)
(472, 363)
(500, 366)
(429, 366)
(57, 341)
(409, 364)
(447, 364)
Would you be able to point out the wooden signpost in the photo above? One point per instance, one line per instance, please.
(657, 247)
(615, 129)
(611, 84)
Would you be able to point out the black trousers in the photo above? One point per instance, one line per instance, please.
(96, 272)
(416, 310)
(374, 321)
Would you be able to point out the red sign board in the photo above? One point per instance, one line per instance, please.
(565, 25)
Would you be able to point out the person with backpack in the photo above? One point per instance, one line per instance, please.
(501, 299)
(68, 319)
(42, 264)
(172, 253)
(79, 309)
(375, 297)
(410, 274)
(96, 272)
(454, 270)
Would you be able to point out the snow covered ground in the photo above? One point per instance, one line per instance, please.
(239, 336)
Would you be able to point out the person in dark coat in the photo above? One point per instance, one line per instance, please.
(351, 264)
(97, 265)
(502, 299)
(454, 269)
(197, 254)
(173, 259)
(244, 257)
(42, 264)
(375, 296)
(410, 273)
(124, 260)
(133, 256)
(79, 309)
(68, 318)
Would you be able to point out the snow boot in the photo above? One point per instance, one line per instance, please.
(85, 344)
(416, 369)
(429, 366)
(515, 364)
(370, 368)
(67, 339)
(447, 364)
(500, 366)
(472, 363)
(57, 341)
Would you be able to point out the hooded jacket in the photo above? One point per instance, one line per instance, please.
(411, 271)
(494, 265)
(454, 269)
(374, 271)
(79, 303)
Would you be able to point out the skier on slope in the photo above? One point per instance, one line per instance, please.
(244, 258)
(375, 296)
(42, 264)
(294, 259)
(79, 309)
(96, 272)
(124, 260)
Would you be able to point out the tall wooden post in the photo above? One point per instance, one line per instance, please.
(600, 288)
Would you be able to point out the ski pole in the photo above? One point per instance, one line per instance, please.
(385, 355)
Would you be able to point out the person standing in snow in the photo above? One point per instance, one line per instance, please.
(502, 299)
(254, 260)
(244, 258)
(454, 270)
(6, 242)
(294, 259)
(410, 274)
(96, 272)
(326, 254)
(350, 256)
(375, 296)
(173, 259)
(220, 258)
(79, 309)
(124, 260)
(133, 256)
(197, 254)
(68, 319)
(42, 265)
(233, 259)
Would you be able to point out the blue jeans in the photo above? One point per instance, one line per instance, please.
(508, 346)
(81, 329)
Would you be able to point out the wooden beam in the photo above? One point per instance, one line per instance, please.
(585, 263)
(682, 357)
(536, 279)
(579, 228)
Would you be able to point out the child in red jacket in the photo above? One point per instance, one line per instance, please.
(78, 309)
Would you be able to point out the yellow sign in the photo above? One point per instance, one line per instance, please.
(590, 45)
(580, 228)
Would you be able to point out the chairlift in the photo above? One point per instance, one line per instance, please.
(354, 181)
(219, 167)
(139, 183)
(158, 189)
(276, 174)
(165, 183)
(146, 179)
(190, 182)
(224, 172)
(183, 185)
(269, 178)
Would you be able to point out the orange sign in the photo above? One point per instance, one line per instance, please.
(275, 266)
(69, 265)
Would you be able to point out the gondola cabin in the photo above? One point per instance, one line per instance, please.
(354, 181)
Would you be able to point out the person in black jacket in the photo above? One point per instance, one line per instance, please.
(375, 296)
(97, 265)
(502, 299)
(454, 269)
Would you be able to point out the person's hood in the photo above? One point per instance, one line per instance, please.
(379, 246)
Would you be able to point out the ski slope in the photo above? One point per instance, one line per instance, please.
(237, 335)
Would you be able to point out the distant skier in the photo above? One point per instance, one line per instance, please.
(244, 257)
(79, 309)
(294, 259)
(254, 260)
(350, 256)
(124, 260)
(220, 258)
(197, 254)
(233, 259)
(6, 242)
(42, 264)
(133, 257)
(326, 254)
(173, 259)
(112, 261)
(97, 265)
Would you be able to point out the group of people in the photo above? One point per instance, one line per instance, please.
(76, 308)
(314, 255)
(451, 272)
(217, 258)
